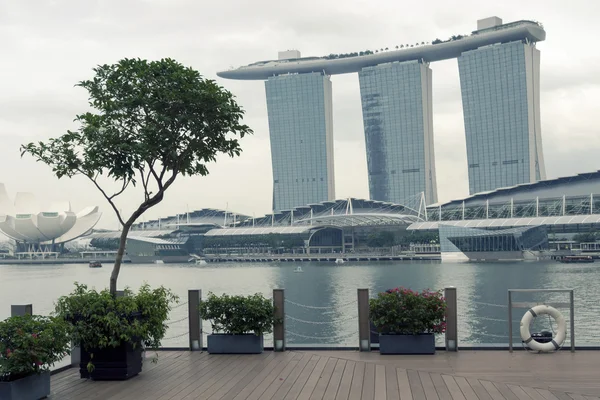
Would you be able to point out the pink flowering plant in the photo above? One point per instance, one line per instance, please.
(31, 344)
(408, 312)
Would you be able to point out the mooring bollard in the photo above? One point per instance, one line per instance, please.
(364, 326)
(279, 325)
(20, 310)
(195, 328)
(451, 319)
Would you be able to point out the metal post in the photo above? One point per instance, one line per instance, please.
(195, 322)
(572, 312)
(20, 310)
(364, 325)
(510, 338)
(279, 325)
(75, 355)
(451, 319)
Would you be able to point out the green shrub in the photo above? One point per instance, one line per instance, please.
(238, 315)
(404, 311)
(100, 320)
(31, 344)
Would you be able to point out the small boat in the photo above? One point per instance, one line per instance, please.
(576, 259)
(298, 269)
(159, 262)
(95, 264)
(201, 262)
(339, 261)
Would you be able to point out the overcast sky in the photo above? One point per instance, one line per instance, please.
(47, 46)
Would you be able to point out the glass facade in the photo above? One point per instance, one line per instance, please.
(398, 122)
(301, 131)
(500, 95)
(468, 240)
(517, 239)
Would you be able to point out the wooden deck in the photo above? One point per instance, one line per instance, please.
(466, 375)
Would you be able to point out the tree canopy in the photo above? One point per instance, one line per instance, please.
(151, 121)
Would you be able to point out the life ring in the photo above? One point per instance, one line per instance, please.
(561, 332)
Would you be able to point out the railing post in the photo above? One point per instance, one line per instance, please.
(510, 326)
(451, 319)
(364, 326)
(20, 310)
(195, 327)
(279, 325)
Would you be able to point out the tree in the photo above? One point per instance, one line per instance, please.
(152, 122)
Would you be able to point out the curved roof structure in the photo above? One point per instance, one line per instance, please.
(515, 31)
(509, 222)
(24, 221)
(362, 219)
(581, 184)
(282, 230)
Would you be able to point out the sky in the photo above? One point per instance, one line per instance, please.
(47, 46)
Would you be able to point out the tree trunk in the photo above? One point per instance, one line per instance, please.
(117, 267)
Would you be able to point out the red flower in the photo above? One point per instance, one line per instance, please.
(8, 352)
(34, 335)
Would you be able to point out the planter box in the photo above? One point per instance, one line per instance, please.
(220, 343)
(407, 344)
(32, 387)
(112, 363)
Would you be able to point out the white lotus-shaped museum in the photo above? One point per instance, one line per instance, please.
(25, 221)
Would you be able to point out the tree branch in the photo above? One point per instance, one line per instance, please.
(125, 184)
(108, 198)
(144, 183)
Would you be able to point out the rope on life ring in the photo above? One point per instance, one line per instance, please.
(561, 332)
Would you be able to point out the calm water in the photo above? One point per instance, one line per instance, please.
(321, 301)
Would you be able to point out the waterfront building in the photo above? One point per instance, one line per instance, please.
(398, 122)
(513, 244)
(39, 230)
(507, 223)
(499, 70)
(500, 87)
(301, 130)
(564, 206)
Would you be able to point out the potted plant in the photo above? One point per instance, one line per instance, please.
(407, 320)
(29, 346)
(238, 323)
(113, 331)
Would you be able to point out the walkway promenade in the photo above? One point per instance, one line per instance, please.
(463, 375)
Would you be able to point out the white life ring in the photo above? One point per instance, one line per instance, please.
(561, 333)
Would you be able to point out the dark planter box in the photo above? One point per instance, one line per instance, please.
(32, 387)
(112, 363)
(407, 344)
(220, 343)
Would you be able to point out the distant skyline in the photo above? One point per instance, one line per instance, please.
(49, 46)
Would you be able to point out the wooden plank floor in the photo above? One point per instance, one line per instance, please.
(467, 375)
